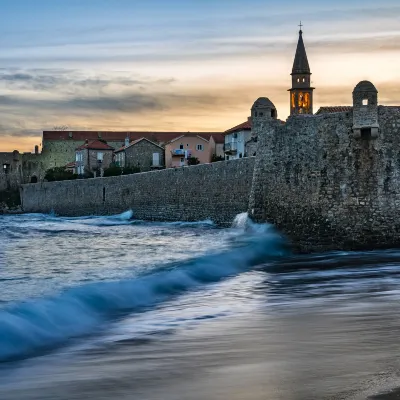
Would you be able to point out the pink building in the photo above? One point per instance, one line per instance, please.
(184, 149)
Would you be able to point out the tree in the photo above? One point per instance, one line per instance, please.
(59, 174)
(193, 161)
(216, 158)
(60, 127)
(114, 170)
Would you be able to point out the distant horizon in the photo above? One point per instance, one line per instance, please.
(182, 67)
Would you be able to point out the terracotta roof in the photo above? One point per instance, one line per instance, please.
(241, 127)
(218, 137)
(114, 136)
(95, 145)
(134, 142)
(334, 109)
(199, 136)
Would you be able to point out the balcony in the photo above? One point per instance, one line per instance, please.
(230, 148)
(181, 153)
(178, 152)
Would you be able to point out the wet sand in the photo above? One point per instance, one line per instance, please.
(316, 353)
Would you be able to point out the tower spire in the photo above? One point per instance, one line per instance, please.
(300, 65)
(301, 93)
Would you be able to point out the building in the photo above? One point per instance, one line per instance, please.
(337, 168)
(142, 154)
(92, 158)
(301, 92)
(187, 149)
(17, 168)
(58, 147)
(236, 139)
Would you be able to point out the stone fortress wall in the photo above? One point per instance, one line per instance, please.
(331, 181)
(217, 191)
(327, 181)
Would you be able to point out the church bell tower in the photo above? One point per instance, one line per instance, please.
(301, 93)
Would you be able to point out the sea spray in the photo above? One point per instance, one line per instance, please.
(43, 323)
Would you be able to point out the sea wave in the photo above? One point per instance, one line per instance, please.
(34, 325)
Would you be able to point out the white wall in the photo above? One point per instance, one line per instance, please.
(239, 139)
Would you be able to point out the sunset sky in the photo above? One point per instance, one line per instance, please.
(193, 65)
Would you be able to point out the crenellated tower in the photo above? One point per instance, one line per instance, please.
(301, 93)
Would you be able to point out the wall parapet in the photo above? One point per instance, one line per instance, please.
(217, 191)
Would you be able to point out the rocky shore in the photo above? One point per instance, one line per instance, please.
(10, 202)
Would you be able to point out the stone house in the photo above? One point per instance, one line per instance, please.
(93, 157)
(179, 150)
(236, 139)
(141, 153)
(17, 169)
(58, 147)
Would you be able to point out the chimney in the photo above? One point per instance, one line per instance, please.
(36, 149)
(127, 141)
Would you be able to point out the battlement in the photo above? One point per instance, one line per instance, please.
(331, 180)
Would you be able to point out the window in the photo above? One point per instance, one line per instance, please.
(366, 133)
(200, 147)
(304, 79)
(181, 146)
(6, 168)
(182, 159)
(273, 113)
(365, 102)
(234, 135)
(261, 114)
(100, 156)
(156, 159)
(298, 79)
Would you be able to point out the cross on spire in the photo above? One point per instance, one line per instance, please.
(301, 25)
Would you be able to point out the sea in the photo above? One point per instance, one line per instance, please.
(117, 308)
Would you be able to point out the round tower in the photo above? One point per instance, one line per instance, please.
(263, 108)
(263, 112)
(365, 111)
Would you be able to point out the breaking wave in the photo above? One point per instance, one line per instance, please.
(34, 325)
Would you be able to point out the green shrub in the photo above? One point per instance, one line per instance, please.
(114, 170)
(59, 174)
(193, 161)
(216, 158)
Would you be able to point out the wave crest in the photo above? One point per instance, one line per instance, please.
(42, 323)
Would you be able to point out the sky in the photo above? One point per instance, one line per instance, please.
(174, 65)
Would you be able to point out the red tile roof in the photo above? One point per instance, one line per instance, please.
(241, 127)
(95, 145)
(134, 142)
(111, 136)
(218, 137)
(334, 109)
